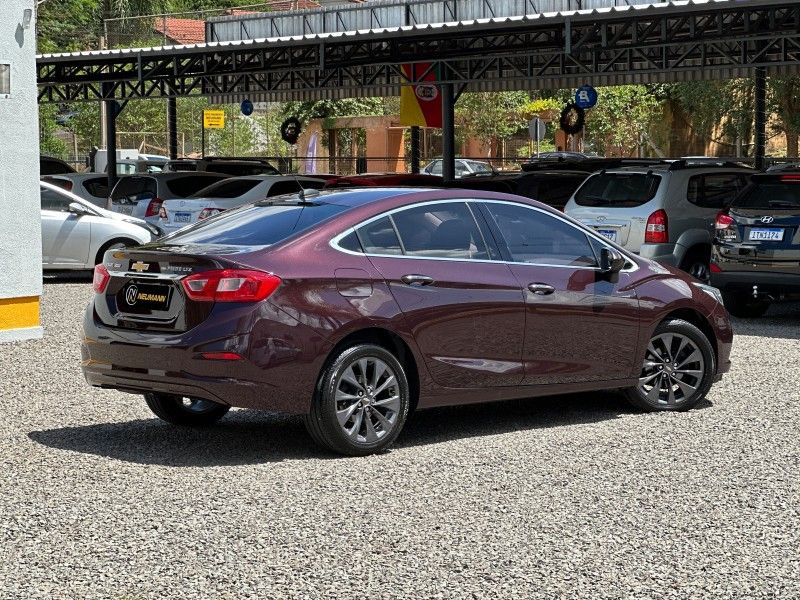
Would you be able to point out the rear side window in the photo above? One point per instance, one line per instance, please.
(441, 231)
(538, 238)
(768, 194)
(379, 237)
(618, 190)
(97, 187)
(134, 189)
(183, 187)
(714, 190)
(256, 225)
(231, 188)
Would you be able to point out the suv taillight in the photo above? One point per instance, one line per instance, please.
(725, 227)
(230, 285)
(153, 207)
(657, 231)
(101, 279)
(208, 212)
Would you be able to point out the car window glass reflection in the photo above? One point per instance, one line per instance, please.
(441, 231)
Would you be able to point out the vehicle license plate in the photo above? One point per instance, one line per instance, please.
(771, 234)
(125, 209)
(608, 234)
(141, 298)
(182, 217)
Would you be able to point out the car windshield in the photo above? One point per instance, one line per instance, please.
(618, 189)
(767, 195)
(260, 224)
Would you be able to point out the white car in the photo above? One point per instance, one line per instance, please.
(76, 233)
(464, 167)
(227, 194)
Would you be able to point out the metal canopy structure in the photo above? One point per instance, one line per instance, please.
(672, 41)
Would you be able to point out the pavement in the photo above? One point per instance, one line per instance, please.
(562, 497)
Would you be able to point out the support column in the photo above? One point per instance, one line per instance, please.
(172, 127)
(415, 149)
(761, 116)
(111, 142)
(448, 132)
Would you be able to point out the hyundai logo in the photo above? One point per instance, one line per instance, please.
(767, 219)
(131, 294)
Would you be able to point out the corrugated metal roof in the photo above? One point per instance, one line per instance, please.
(482, 23)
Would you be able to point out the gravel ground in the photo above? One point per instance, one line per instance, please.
(575, 497)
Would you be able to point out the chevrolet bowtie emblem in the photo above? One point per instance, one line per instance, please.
(140, 266)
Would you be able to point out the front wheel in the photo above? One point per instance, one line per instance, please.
(678, 369)
(744, 306)
(361, 402)
(180, 410)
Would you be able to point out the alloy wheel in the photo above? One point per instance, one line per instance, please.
(673, 370)
(367, 400)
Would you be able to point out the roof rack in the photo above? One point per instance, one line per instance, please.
(705, 163)
(589, 164)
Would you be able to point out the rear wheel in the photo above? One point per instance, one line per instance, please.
(744, 306)
(361, 402)
(182, 410)
(678, 369)
(697, 264)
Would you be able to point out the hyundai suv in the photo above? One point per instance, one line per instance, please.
(664, 211)
(756, 258)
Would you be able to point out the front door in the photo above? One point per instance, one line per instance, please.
(65, 236)
(581, 325)
(462, 304)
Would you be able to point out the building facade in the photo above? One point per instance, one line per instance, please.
(20, 225)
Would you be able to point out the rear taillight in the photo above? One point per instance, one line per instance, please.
(715, 268)
(657, 231)
(101, 279)
(230, 285)
(725, 227)
(153, 207)
(790, 177)
(209, 212)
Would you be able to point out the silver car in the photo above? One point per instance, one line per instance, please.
(76, 233)
(464, 167)
(227, 194)
(664, 211)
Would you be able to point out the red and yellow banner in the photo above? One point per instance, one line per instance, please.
(421, 104)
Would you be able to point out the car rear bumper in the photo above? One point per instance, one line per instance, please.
(662, 253)
(276, 371)
(743, 277)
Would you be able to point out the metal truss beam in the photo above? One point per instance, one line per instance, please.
(709, 42)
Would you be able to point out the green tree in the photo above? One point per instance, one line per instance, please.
(491, 116)
(784, 95)
(623, 114)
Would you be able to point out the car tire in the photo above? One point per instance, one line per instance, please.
(190, 412)
(678, 369)
(361, 402)
(119, 243)
(697, 263)
(743, 306)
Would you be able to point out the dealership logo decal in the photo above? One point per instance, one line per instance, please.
(140, 266)
(767, 219)
(131, 295)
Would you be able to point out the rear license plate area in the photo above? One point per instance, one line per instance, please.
(144, 298)
(609, 234)
(182, 217)
(769, 234)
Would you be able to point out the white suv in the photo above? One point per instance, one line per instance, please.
(664, 211)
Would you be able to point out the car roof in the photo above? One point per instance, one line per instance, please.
(359, 196)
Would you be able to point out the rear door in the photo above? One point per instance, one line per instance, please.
(462, 304)
(65, 236)
(580, 325)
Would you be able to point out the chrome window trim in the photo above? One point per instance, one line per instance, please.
(334, 242)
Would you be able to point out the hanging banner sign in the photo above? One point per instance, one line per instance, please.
(421, 103)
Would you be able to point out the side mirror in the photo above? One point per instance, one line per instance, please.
(78, 209)
(611, 261)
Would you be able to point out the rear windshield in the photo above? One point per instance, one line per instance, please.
(230, 188)
(764, 195)
(183, 187)
(256, 225)
(618, 189)
(134, 188)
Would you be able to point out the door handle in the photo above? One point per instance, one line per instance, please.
(541, 289)
(416, 280)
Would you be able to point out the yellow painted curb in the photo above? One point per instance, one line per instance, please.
(19, 313)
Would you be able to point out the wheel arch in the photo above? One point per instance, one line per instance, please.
(390, 341)
(698, 320)
(128, 241)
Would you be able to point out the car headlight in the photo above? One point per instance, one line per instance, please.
(710, 290)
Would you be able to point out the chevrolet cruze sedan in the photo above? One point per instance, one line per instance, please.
(352, 307)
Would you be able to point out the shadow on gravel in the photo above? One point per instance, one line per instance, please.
(251, 437)
(781, 321)
(67, 276)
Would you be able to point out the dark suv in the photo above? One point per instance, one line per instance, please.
(552, 187)
(233, 167)
(756, 255)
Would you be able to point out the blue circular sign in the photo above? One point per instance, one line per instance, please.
(586, 97)
(247, 107)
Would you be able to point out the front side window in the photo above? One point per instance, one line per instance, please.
(52, 200)
(535, 237)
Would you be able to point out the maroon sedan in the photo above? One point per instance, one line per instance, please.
(353, 307)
